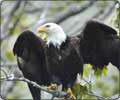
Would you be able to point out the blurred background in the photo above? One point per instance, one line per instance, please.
(19, 15)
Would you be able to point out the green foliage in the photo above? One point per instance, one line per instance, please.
(115, 78)
(104, 70)
(99, 72)
(9, 55)
(87, 69)
(100, 82)
(1, 21)
(61, 8)
(79, 90)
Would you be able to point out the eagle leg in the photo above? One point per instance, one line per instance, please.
(52, 87)
(70, 95)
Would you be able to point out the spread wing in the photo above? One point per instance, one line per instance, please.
(100, 44)
(94, 27)
(31, 60)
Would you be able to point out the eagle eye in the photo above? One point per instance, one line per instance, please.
(47, 26)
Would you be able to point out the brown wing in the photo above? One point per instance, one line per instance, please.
(100, 44)
(28, 47)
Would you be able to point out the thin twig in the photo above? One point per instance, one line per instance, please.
(44, 13)
(42, 18)
(5, 73)
(98, 97)
(8, 65)
(91, 93)
(15, 23)
(18, 18)
(71, 11)
(100, 15)
(1, 98)
(78, 31)
(7, 21)
(108, 11)
(1, 1)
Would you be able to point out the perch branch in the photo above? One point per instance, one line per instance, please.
(55, 93)
(59, 94)
(11, 77)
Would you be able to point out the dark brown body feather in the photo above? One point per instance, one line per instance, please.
(100, 45)
(64, 63)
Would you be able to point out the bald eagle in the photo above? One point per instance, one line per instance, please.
(56, 59)
(59, 58)
(100, 45)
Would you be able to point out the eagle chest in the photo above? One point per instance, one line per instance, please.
(56, 55)
(56, 58)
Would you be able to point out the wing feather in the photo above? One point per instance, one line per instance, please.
(28, 48)
(100, 44)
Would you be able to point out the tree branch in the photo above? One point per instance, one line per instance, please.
(11, 77)
(91, 93)
(79, 29)
(15, 23)
(100, 15)
(71, 11)
(108, 11)
(44, 13)
(55, 93)
(5, 24)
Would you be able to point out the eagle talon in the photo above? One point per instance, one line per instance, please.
(70, 95)
(52, 87)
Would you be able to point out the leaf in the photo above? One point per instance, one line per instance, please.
(87, 69)
(98, 72)
(104, 70)
(10, 55)
(79, 90)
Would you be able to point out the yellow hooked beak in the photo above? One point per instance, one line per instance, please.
(42, 29)
(42, 32)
